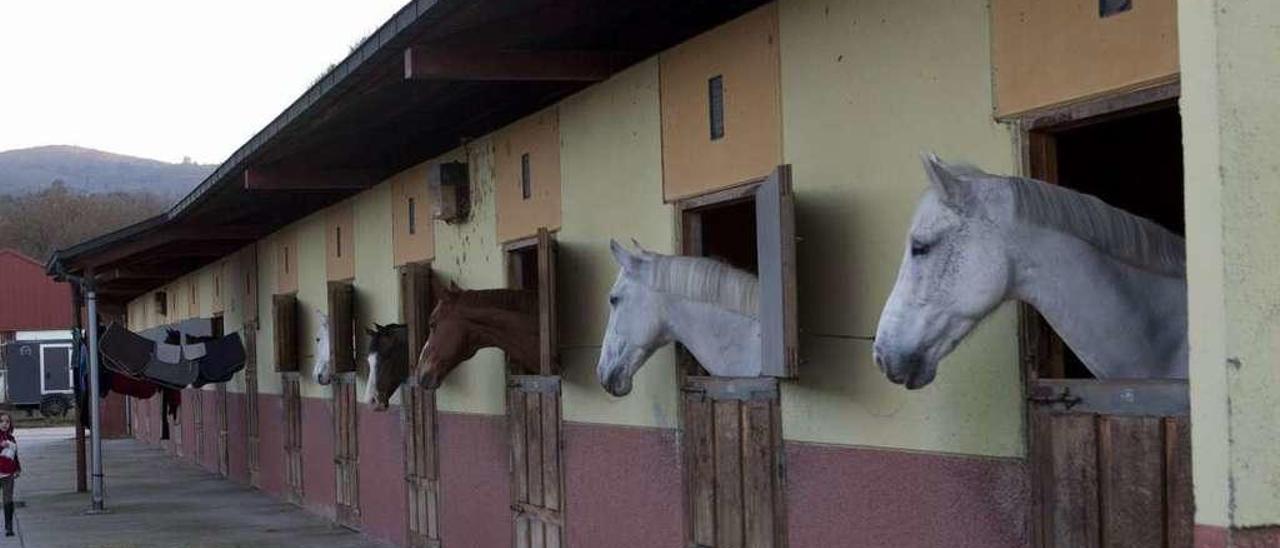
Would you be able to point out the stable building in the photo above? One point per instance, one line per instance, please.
(499, 144)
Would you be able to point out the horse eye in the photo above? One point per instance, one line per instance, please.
(613, 300)
(918, 249)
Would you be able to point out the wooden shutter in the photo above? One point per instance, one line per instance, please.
(284, 310)
(537, 487)
(776, 253)
(346, 451)
(342, 327)
(292, 399)
(418, 408)
(547, 326)
(252, 436)
(733, 463)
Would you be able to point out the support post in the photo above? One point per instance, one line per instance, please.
(78, 338)
(95, 413)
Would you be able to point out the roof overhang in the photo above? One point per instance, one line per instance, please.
(437, 73)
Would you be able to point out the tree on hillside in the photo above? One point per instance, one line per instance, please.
(39, 223)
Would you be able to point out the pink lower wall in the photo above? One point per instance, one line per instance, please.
(475, 501)
(623, 484)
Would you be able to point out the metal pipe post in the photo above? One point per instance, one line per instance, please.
(95, 413)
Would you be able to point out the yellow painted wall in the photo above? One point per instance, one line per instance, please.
(1231, 131)
(611, 162)
(867, 86)
(469, 253)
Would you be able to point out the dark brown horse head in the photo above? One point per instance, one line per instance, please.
(463, 322)
(388, 363)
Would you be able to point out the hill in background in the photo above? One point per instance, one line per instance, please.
(94, 171)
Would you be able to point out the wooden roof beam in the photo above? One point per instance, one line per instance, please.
(267, 178)
(423, 63)
(138, 273)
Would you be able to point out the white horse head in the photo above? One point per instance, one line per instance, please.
(1092, 270)
(324, 366)
(704, 304)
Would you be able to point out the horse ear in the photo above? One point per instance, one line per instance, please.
(955, 193)
(626, 259)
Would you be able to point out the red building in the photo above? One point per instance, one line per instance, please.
(29, 299)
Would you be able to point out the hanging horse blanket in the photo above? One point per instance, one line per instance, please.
(125, 351)
(223, 358)
(170, 366)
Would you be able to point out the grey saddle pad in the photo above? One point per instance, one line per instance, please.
(169, 367)
(125, 351)
(222, 359)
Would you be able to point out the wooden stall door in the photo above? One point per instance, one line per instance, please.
(292, 399)
(1111, 463)
(346, 451)
(224, 459)
(418, 408)
(197, 422)
(422, 471)
(733, 463)
(252, 437)
(537, 494)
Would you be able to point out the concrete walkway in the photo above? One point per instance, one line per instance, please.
(153, 500)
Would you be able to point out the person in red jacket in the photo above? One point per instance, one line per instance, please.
(10, 468)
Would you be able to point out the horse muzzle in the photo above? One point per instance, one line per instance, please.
(909, 370)
(617, 383)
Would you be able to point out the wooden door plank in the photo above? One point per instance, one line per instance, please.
(700, 431)
(519, 464)
(1179, 504)
(1074, 519)
(533, 454)
(757, 473)
(551, 451)
(1132, 484)
(728, 474)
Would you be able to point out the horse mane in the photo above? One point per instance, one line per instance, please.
(1135, 240)
(703, 280)
(514, 300)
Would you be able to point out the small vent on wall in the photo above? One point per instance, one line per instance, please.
(337, 238)
(715, 102)
(413, 217)
(1107, 8)
(526, 185)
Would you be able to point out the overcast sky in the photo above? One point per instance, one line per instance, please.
(165, 79)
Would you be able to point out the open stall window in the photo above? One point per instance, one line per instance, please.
(1098, 444)
(533, 405)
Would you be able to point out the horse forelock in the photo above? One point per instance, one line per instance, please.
(703, 280)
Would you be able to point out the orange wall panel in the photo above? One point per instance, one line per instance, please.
(339, 240)
(744, 53)
(1050, 52)
(411, 242)
(539, 137)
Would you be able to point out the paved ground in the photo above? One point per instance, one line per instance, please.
(153, 500)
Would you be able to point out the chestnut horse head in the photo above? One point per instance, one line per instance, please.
(463, 322)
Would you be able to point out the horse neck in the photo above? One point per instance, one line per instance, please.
(1120, 320)
(514, 333)
(725, 343)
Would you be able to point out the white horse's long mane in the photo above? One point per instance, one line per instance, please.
(1118, 233)
(703, 280)
(1113, 231)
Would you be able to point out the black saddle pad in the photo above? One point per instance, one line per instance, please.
(223, 358)
(125, 351)
(168, 367)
